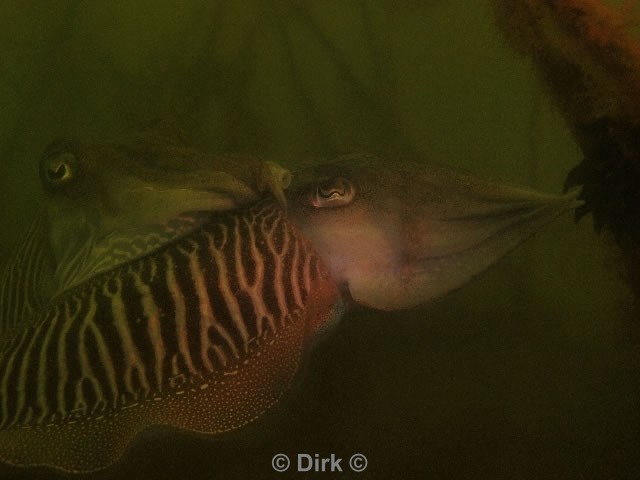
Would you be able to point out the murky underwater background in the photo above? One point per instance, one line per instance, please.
(532, 371)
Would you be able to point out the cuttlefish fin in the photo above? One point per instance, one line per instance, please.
(274, 179)
(397, 235)
(214, 406)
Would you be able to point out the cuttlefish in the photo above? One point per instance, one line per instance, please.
(162, 286)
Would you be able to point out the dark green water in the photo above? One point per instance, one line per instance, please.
(532, 371)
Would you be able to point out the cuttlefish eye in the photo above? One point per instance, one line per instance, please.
(332, 193)
(58, 169)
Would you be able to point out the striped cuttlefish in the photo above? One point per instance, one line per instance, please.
(162, 286)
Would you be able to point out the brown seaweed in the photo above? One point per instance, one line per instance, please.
(589, 61)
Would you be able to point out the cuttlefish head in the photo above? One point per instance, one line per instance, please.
(399, 234)
(108, 204)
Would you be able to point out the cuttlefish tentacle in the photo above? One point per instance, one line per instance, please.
(399, 234)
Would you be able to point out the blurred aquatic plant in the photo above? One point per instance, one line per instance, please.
(589, 60)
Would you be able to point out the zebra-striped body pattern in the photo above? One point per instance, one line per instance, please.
(24, 283)
(203, 334)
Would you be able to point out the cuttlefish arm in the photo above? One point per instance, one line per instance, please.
(399, 234)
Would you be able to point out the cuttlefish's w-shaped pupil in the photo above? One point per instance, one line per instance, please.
(332, 193)
(58, 172)
(59, 169)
